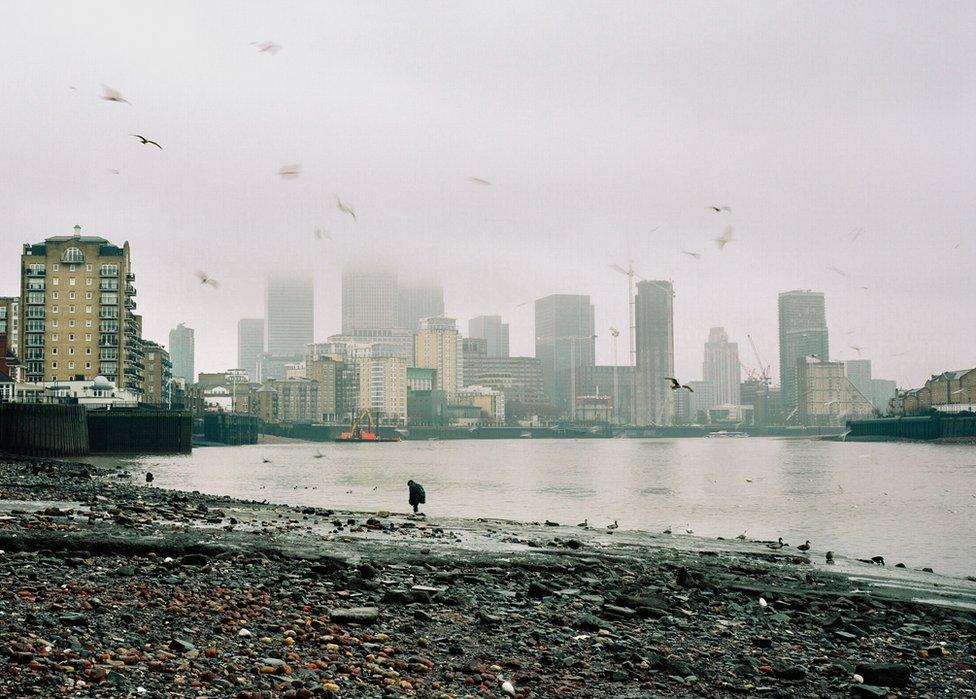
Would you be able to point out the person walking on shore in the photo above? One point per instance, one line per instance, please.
(417, 495)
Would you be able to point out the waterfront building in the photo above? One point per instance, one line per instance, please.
(157, 376)
(325, 371)
(802, 333)
(519, 378)
(250, 345)
(10, 322)
(91, 393)
(490, 401)
(427, 407)
(181, 351)
(754, 393)
(654, 319)
(721, 367)
(397, 340)
(369, 297)
(416, 300)
(383, 384)
(298, 400)
(273, 366)
(826, 395)
(700, 399)
(882, 391)
(289, 313)
(493, 331)
(595, 409)
(421, 379)
(599, 381)
(437, 345)
(77, 311)
(859, 373)
(564, 340)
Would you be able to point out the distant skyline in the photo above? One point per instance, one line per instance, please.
(841, 136)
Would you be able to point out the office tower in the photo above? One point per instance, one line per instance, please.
(882, 391)
(417, 300)
(493, 330)
(369, 297)
(437, 345)
(564, 340)
(289, 314)
(721, 367)
(157, 375)
(701, 397)
(250, 345)
(181, 353)
(600, 380)
(10, 322)
(77, 311)
(859, 373)
(802, 333)
(654, 319)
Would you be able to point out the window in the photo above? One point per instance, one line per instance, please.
(55, 281)
(55, 295)
(88, 309)
(71, 268)
(88, 335)
(71, 323)
(88, 282)
(71, 281)
(71, 295)
(88, 323)
(71, 308)
(72, 255)
(54, 309)
(87, 351)
(88, 268)
(71, 365)
(71, 337)
(54, 337)
(88, 296)
(55, 267)
(71, 351)
(88, 364)
(54, 323)
(54, 365)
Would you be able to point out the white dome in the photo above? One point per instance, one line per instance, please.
(102, 382)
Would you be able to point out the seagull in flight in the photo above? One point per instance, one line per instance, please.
(719, 209)
(478, 180)
(726, 238)
(110, 94)
(146, 140)
(345, 208)
(696, 255)
(288, 172)
(207, 279)
(837, 270)
(856, 348)
(677, 385)
(322, 235)
(268, 47)
(855, 234)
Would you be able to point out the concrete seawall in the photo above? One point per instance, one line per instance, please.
(922, 427)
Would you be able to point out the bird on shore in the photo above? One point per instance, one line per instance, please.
(719, 209)
(584, 524)
(677, 385)
(317, 455)
(777, 545)
(290, 172)
(874, 560)
(668, 530)
(742, 536)
(689, 530)
(147, 141)
(207, 279)
(724, 239)
(830, 557)
(478, 180)
(110, 94)
(804, 547)
(613, 526)
(346, 208)
(696, 255)
(266, 461)
(149, 477)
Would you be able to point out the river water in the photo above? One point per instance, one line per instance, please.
(910, 502)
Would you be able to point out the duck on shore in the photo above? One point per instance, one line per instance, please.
(613, 526)
(777, 545)
(830, 558)
(804, 547)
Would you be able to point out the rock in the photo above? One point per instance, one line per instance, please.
(588, 622)
(181, 645)
(612, 611)
(538, 590)
(884, 674)
(789, 672)
(762, 642)
(868, 690)
(195, 559)
(366, 571)
(73, 619)
(355, 615)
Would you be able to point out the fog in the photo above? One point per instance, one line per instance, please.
(604, 129)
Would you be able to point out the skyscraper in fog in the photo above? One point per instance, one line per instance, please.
(858, 372)
(721, 367)
(563, 341)
(654, 318)
(181, 352)
(494, 331)
(369, 297)
(417, 300)
(289, 313)
(802, 332)
(250, 345)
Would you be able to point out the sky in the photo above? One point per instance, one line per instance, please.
(842, 135)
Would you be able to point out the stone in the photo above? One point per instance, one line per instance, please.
(884, 674)
(789, 672)
(868, 690)
(195, 559)
(181, 645)
(74, 619)
(612, 611)
(538, 590)
(355, 615)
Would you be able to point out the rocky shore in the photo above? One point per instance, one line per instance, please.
(110, 588)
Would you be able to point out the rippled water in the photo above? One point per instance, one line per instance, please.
(910, 502)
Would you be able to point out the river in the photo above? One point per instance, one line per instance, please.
(910, 502)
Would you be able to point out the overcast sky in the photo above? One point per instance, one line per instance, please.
(595, 122)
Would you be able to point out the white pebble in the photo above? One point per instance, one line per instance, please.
(508, 688)
(244, 633)
(858, 679)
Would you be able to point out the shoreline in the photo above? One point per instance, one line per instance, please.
(386, 604)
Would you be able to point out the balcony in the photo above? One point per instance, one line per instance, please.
(35, 285)
(36, 340)
(108, 355)
(130, 290)
(108, 285)
(130, 277)
(108, 313)
(109, 272)
(130, 303)
(35, 272)
(34, 312)
(35, 299)
(108, 341)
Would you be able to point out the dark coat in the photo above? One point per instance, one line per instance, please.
(417, 494)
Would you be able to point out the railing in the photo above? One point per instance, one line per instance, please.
(34, 312)
(109, 272)
(130, 277)
(108, 286)
(130, 290)
(108, 313)
(35, 272)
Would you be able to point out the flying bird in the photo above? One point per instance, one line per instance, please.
(345, 208)
(719, 209)
(856, 348)
(322, 235)
(114, 171)
(146, 140)
(855, 234)
(696, 255)
(288, 172)
(676, 385)
(478, 180)
(726, 238)
(110, 94)
(837, 270)
(207, 279)
(268, 47)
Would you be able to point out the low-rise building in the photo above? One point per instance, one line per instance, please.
(826, 395)
(490, 401)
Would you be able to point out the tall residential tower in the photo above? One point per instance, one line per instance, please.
(721, 367)
(654, 318)
(181, 352)
(564, 341)
(802, 333)
(250, 345)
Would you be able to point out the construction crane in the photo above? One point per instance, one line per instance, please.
(614, 334)
(763, 368)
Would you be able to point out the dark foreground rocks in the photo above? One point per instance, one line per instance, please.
(274, 608)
